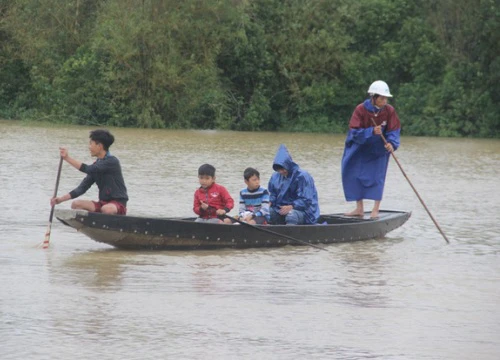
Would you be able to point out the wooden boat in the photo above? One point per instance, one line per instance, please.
(135, 232)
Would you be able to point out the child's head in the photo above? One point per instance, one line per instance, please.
(102, 137)
(252, 178)
(206, 175)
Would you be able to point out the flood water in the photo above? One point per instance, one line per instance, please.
(407, 296)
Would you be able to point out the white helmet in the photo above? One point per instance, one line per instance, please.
(379, 87)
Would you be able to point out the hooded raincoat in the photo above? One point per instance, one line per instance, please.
(297, 189)
(365, 159)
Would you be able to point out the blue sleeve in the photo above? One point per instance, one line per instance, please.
(394, 138)
(359, 136)
(305, 193)
(273, 192)
(264, 208)
(242, 207)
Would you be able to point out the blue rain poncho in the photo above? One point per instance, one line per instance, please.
(297, 189)
(365, 159)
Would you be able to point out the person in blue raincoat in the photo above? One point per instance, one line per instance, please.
(292, 193)
(365, 159)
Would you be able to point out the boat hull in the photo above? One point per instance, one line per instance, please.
(134, 232)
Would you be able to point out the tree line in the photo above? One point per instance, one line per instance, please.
(254, 65)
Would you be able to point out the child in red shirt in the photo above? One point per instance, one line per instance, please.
(211, 200)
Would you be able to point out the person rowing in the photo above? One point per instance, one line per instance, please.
(366, 156)
(106, 172)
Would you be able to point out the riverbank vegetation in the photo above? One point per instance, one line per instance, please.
(296, 65)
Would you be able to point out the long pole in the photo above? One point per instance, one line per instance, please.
(413, 187)
(49, 226)
(274, 233)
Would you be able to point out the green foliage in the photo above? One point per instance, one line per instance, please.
(297, 65)
(15, 81)
(161, 61)
(82, 95)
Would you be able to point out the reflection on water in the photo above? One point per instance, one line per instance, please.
(408, 296)
(96, 270)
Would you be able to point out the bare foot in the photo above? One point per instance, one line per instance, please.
(355, 213)
(374, 214)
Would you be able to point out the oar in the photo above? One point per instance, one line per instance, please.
(274, 233)
(47, 233)
(413, 187)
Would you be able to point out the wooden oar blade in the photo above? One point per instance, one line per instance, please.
(46, 241)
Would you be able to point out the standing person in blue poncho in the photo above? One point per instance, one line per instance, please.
(292, 193)
(365, 159)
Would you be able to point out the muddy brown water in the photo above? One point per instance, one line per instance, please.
(407, 296)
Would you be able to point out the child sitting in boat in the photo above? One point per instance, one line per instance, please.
(254, 199)
(106, 172)
(292, 193)
(211, 201)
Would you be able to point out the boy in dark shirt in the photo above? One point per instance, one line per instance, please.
(106, 172)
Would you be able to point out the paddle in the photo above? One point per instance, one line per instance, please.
(47, 233)
(274, 233)
(413, 187)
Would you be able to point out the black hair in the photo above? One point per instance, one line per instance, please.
(277, 167)
(249, 172)
(206, 169)
(103, 137)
